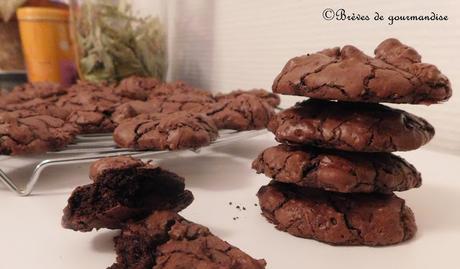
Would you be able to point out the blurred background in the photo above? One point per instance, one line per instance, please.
(228, 44)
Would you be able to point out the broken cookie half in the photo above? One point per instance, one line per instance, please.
(166, 240)
(124, 189)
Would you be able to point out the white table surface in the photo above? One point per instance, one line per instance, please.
(31, 235)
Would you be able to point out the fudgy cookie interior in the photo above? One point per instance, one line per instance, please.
(128, 194)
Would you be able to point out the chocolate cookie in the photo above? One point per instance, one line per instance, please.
(136, 88)
(89, 122)
(90, 107)
(89, 97)
(134, 108)
(191, 102)
(336, 218)
(175, 88)
(271, 98)
(396, 75)
(166, 131)
(338, 171)
(165, 240)
(25, 131)
(244, 112)
(124, 189)
(29, 91)
(351, 126)
(39, 105)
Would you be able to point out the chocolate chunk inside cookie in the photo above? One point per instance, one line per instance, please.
(124, 189)
(338, 171)
(396, 75)
(351, 126)
(337, 218)
(166, 240)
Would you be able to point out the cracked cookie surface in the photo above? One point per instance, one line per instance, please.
(271, 98)
(165, 240)
(175, 88)
(396, 75)
(123, 189)
(90, 106)
(350, 126)
(190, 102)
(37, 90)
(136, 87)
(166, 131)
(243, 112)
(336, 218)
(338, 171)
(26, 131)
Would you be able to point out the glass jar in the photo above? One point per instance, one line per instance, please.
(115, 39)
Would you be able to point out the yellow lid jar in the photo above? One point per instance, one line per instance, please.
(46, 44)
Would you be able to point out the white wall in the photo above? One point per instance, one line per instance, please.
(226, 44)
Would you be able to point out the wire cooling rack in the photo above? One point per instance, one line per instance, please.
(87, 148)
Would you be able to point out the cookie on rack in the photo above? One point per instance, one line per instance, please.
(166, 240)
(190, 102)
(396, 75)
(134, 108)
(242, 112)
(176, 87)
(272, 99)
(336, 218)
(338, 171)
(166, 131)
(136, 87)
(90, 106)
(123, 189)
(26, 92)
(350, 126)
(27, 132)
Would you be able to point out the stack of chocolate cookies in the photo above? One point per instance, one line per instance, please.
(334, 174)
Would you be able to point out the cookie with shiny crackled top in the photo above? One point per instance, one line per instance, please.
(166, 240)
(123, 189)
(396, 75)
(136, 87)
(177, 87)
(27, 132)
(166, 131)
(90, 106)
(132, 109)
(336, 218)
(350, 126)
(30, 91)
(335, 170)
(243, 112)
(175, 102)
(269, 97)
